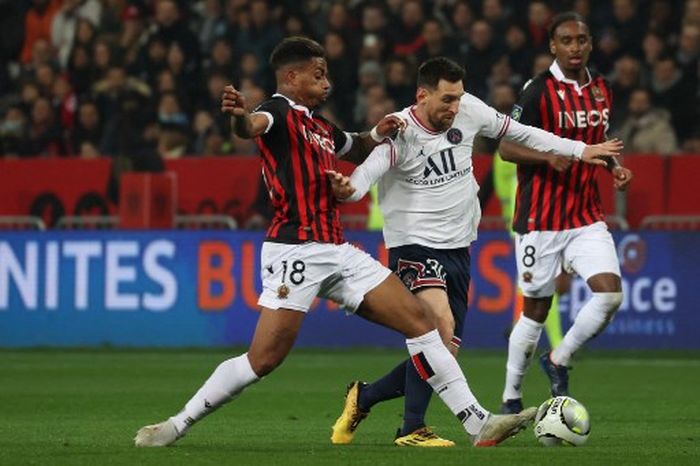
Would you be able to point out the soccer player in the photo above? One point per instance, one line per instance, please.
(558, 215)
(428, 195)
(305, 255)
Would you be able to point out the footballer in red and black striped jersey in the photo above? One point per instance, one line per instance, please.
(548, 199)
(297, 148)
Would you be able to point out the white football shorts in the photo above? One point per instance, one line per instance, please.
(542, 255)
(293, 275)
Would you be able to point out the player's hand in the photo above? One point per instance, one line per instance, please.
(560, 163)
(623, 177)
(592, 154)
(233, 101)
(342, 189)
(390, 125)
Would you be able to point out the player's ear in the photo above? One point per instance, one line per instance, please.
(552, 48)
(421, 94)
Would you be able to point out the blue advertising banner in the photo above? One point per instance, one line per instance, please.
(170, 288)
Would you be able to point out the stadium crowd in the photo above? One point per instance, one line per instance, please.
(94, 78)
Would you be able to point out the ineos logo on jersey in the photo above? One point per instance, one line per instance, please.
(314, 138)
(583, 119)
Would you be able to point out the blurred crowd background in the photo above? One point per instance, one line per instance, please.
(92, 78)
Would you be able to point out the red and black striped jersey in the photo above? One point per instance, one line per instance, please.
(296, 149)
(551, 200)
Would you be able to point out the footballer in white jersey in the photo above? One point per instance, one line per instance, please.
(428, 195)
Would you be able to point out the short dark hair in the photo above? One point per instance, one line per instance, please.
(295, 50)
(433, 70)
(562, 18)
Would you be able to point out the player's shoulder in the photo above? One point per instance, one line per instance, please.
(274, 103)
(537, 84)
(599, 79)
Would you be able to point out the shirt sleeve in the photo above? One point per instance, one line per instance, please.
(271, 109)
(492, 123)
(527, 109)
(543, 141)
(379, 161)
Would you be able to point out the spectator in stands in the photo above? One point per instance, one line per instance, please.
(628, 26)
(606, 51)
(221, 60)
(260, 34)
(169, 28)
(64, 102)
(661, 18)
(624, 80)
(688, 52)
(13, 133)
(647, 129)
(37, 25)
(80, 69)
(538, 17)
(653, 47)
(186, 74)
(86, 136)
(211, 24)
(29, 93)
(370, 74)
(407, 36)
(102, 59)
(44, 137)
(399, 80)
(691, 12)
(342, 68)
(674, 92)
(482, 53)
(502, 97)
(462, 19)
(437, 43)
(492, 12)
(502, 73)
(520, 55)
(132, 36)
(211, 101)
(338, 21)
(65, 23)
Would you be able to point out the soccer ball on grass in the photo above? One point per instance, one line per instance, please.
(562, 420)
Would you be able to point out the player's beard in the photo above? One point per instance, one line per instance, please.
(441, 124)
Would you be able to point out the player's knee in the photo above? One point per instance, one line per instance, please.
(610, 302)
(262, 365)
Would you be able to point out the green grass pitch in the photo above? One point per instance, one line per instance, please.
(83, 407)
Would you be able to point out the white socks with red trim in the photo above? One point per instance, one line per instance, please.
(521, 347)
(226, 382)
(439, 368)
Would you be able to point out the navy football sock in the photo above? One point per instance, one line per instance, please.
(387, 388)
(417, 397)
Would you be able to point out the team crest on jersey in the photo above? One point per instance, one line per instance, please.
(597, 94)
(516, 112)
(454, 135)
(527, 277)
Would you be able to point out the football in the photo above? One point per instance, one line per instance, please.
(562, 420)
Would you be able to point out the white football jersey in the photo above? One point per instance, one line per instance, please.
(427, 190)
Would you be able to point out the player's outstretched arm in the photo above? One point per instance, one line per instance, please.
(243, 123)
(365, 175)
(518, 154)
(363, 143)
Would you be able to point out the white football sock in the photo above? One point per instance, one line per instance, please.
(521, 347)
(225, 383)
(439, 368)
(590, 321)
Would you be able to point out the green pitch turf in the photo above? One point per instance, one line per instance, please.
(83, 407)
